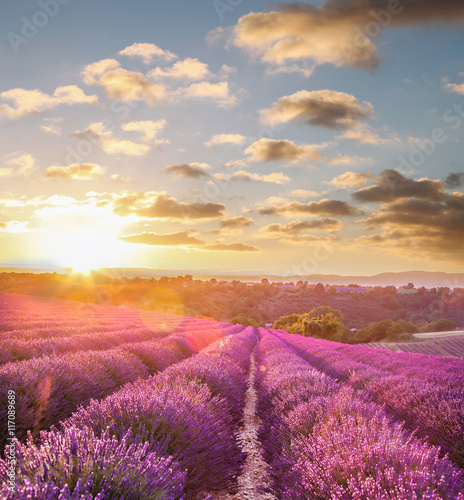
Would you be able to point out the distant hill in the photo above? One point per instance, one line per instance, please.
(418, 278)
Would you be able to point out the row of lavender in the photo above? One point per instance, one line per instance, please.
(31, 327)
(62, 373)
(448, 346)
(424, 391)
(325, 439)
(171, 436)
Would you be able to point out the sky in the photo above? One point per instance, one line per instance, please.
(290, 138)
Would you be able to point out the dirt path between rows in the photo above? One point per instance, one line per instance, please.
(255, 468)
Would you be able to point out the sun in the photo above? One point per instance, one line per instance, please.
(84, 250)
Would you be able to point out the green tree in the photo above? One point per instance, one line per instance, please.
(241, 319)
(317, 312)
(440, 325)
(327, 326)
(286, 322)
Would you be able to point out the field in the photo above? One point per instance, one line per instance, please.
(110, 402)
(436, 344)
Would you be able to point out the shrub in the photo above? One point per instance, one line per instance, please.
(77, 464)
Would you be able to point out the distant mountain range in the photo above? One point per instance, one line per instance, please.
(418, 278)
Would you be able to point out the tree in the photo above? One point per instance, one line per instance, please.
(327, 326)
(286, 322)
(241, 319)
(409, 286)
(319, 289)
(440, 325)
(319, 311)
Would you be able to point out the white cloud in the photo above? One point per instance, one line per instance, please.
(367, 135)
(110, 145)
(351, 179)
(148, 128)
(147, 52)
(305, 193)
(81, 171)
(274, 178)
(31, 102)
(18, 165)
(14, 226)
(457, 88)
(219, 139)
(349, 160)
(188, 69)
(327, 108)
(120, 84)
(219, 92)
(122, 180)
(50, 126)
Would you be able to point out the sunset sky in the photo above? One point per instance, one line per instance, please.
(318, 137)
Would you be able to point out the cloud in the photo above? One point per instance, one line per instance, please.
(322, 207)
(454, 180)
(366, 135)
(424, 228)
(216, 34)
(242, 175)
(351, 179)
(93, 72)
(147, 52)
(81, 171)
(327, 108)
(185, 239)
(231, 247)
(148, 128)
(304, 69)
(14, 226)
(301, 32)
(349, 160)
(219, 139)
(281, 150)
(162, 84)
(336, 32)
(188, 69)
(97, 132)
(392, 184)
(122, 180)
(304, 193)
(51, 126)
(297, 227)
(33, 102)
(234, 225)
(154, 205)
(120, 84)
(181, 238)
(236, 222)
(192, 170)
(18, 165)
(457, 88)
(219, 92)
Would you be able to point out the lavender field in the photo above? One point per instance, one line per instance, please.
(104, 402)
